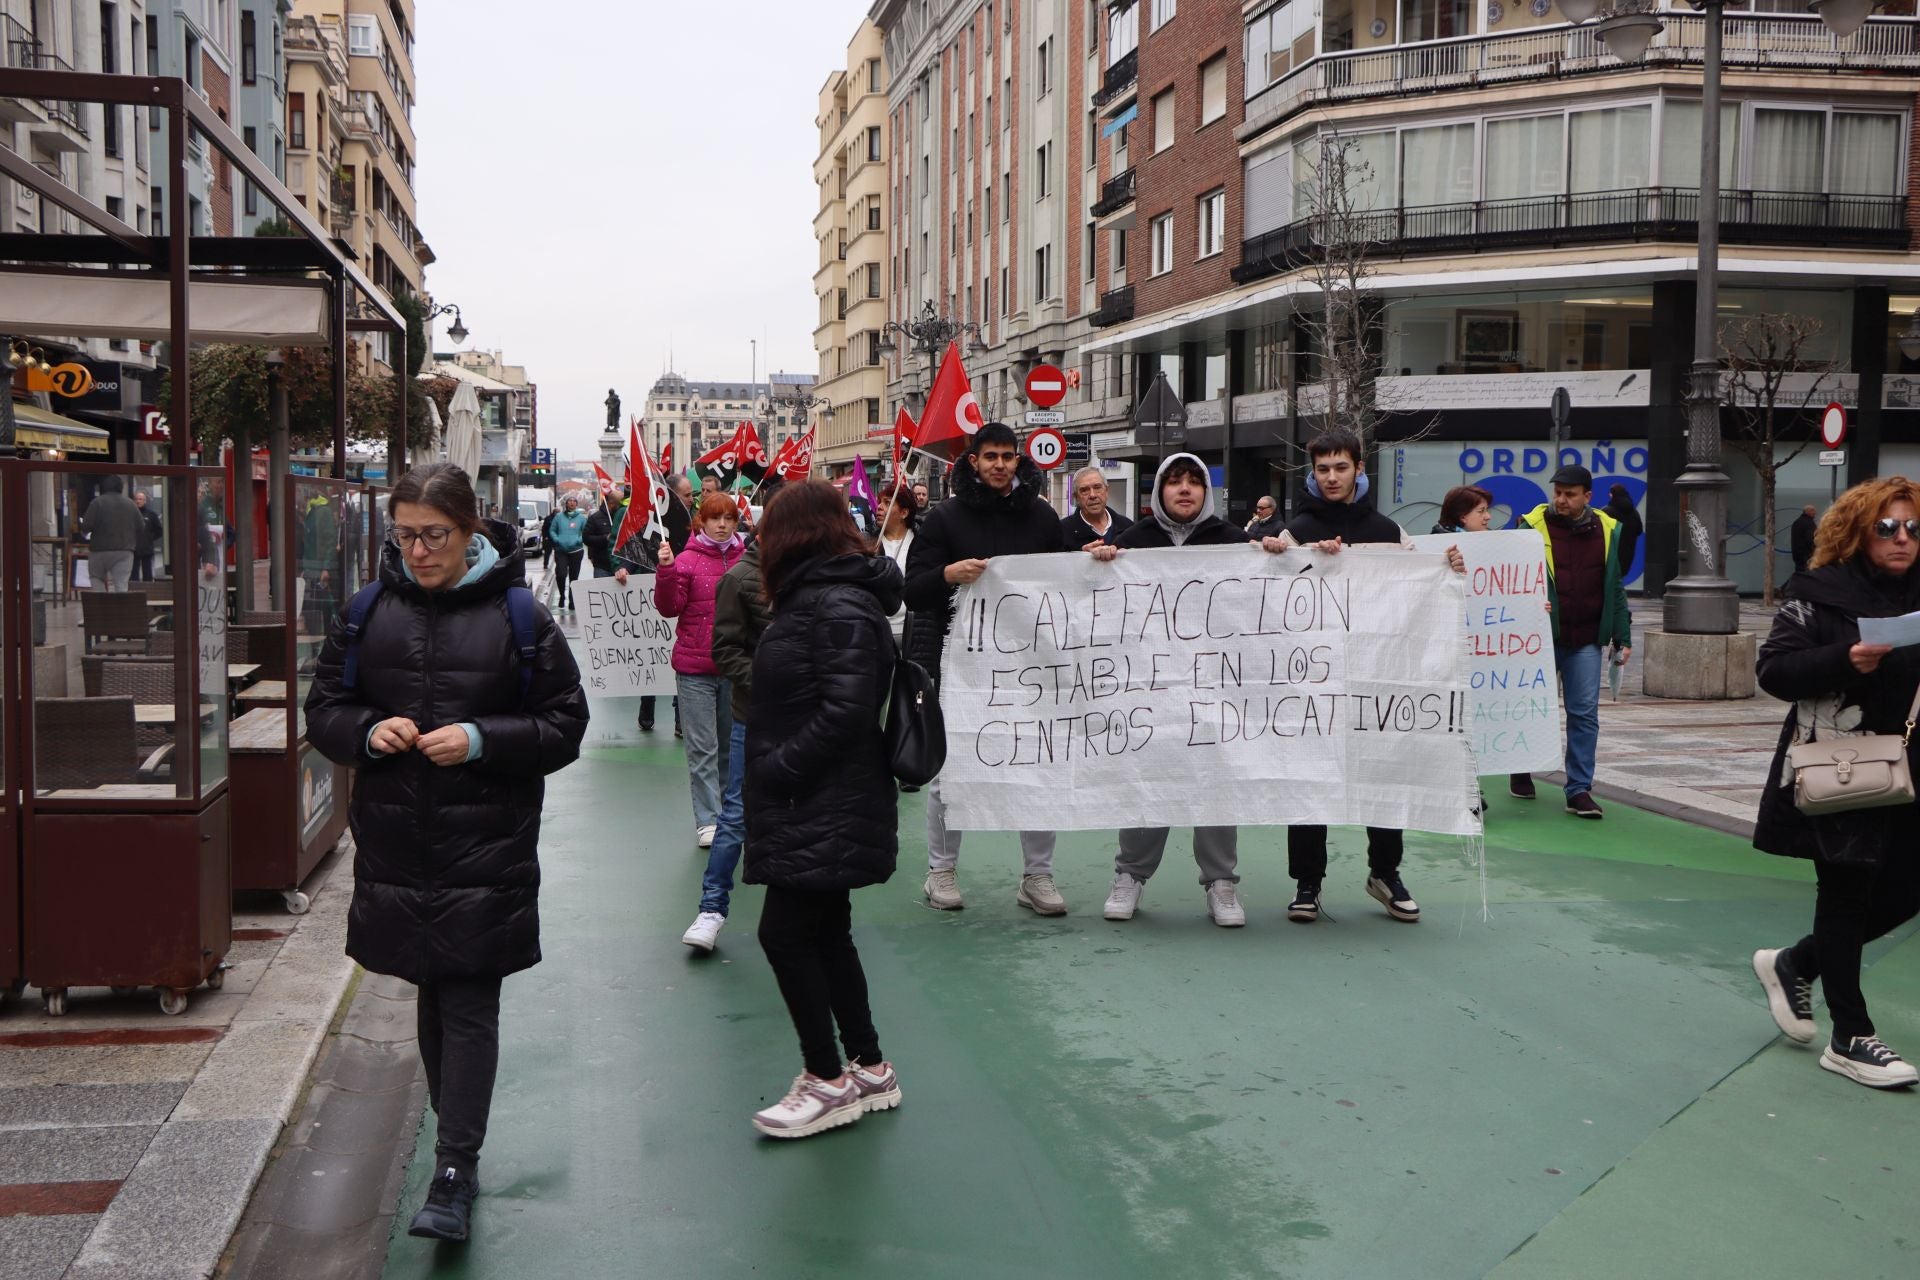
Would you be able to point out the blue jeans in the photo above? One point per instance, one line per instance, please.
(706, 718)
(717, 887)
(1580, 688)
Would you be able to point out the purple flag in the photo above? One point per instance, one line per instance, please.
(859, 489)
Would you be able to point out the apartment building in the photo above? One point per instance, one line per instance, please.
(352, 132)
(260, 93)
(993, 167)
(851, 227)
(1528, 201)
(696, 416)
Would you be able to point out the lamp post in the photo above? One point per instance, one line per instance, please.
(1702, 599)
(928, 333)
(456, 331)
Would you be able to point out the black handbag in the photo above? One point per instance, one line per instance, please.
(916, 732)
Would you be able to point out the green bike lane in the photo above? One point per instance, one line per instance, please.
(1586, 1082)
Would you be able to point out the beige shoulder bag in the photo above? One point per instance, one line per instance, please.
(1865, 772)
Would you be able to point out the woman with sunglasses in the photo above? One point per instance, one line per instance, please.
(450, 745)
(1863, 566)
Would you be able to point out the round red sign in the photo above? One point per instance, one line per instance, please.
(1046, 386)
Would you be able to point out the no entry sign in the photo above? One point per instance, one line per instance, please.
(1046, 386)
(1047, 448)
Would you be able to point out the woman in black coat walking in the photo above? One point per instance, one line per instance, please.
(820, 797)
(451, 739)
(1869, 879)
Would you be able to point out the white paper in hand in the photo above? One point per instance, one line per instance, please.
(1898, 632)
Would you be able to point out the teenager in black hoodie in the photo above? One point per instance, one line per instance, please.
(1183, 516)
(1336, 514)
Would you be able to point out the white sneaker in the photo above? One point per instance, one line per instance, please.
(879, 1086)
(1223, 904)
(704, 931)
(811, 1106)
(1124, 898)
(1039, 895)
(943, 891)
(705, 835)
(1865, 1059)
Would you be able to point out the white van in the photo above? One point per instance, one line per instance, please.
(533, 515)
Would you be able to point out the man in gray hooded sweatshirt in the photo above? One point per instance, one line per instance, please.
(1183, 516)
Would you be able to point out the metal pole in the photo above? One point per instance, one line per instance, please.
(338, 336)
(397, 433)
(1702, 600)
(277, 450)
(179, 278)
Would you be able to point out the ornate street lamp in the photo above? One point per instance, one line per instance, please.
(456, 331)
(929, 333)
(1702, 599)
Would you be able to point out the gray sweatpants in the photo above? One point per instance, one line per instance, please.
(943, 846)
(109, 570)
(1216, 850)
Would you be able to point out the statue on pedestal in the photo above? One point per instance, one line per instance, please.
(613, 409)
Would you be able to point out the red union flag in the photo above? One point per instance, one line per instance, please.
(903, 430)
(794, 461)
(603, 480)
(646, 494)
(952, 412)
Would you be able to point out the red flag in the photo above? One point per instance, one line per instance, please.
(951, 412)
(795, 462)
(903, 430)
(603, 480)
(726, 460)
(746, 508)
(646, 494)
(666, 459)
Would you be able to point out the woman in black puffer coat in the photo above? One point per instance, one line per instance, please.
(820, 798)
(450, 750)
(1866, 564)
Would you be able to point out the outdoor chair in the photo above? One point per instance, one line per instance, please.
(114, 621)
(150, 683)
(92, 664)
(88, 742)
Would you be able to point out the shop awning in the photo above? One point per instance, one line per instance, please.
(36, 428)
(99, 305)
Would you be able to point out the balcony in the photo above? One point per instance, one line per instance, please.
(1116, 307)
(56, 125)
(1116, 193)
(1753, 42)
(1119, 80)
(1807, 219)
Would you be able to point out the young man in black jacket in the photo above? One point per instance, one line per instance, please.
(1092, 520)
(1336, 514)
(1183, 516)
(997, 510)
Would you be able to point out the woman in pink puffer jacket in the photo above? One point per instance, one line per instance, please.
(685, 590)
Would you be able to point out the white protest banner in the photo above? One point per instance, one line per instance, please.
(1216, 685)
(627, 646)
(1515, 725)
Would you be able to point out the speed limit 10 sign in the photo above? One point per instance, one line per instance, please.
(1047, 448)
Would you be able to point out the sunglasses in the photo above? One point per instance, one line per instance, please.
(1887, 528)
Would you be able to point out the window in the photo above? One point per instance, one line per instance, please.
(1865, 154)
(1091, 239)
(1006, 185)
(297, 121)
(109, 64)
(873, 142)
(1162, 228)
(153, 67)
(1435, 19)
(1123, 31)
(1162, 121)
(1213, 89)
(249, 136)
(986, 200)
(874, 82)
(1043, 69)
(363, 36)
(971, 134)
(1119, 252)
(1093, 25)
(1163, 11)
(1438, 166)
(1003, 291)
(1043, 273)
(1211, 217)
(1282, 39)
(873, 213)
(1524, 157)
(249, 52)
(1043, 162)
(1266, 192)
(1680, 144)
(1608, 150)
(1093, 139)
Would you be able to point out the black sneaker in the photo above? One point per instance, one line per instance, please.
(1789, 996)
(1391, 893)
(1583, 806)
(1520, 786)
(1305, 907)
(448, 1209)
(1865, 1059)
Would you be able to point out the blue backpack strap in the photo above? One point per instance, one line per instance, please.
(526, 636)
(357, 610)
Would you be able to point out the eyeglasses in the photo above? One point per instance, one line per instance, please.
(435, 537)
(1886, 528)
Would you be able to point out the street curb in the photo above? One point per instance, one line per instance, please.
(1742, 828)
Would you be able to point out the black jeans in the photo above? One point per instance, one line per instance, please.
(808, 938)
(568, 567)
(143, 565)
(459, 1030)
(1854, 906)
(1307, 852)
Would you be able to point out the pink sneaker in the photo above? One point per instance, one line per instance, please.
(811, 1106)
(879, 1087)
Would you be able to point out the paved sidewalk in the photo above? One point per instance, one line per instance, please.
(130, 1142)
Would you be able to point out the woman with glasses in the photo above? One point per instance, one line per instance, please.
(1869, 877)
(450, 740)
(570, 547)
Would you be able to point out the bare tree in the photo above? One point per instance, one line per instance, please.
(1773, 384)
(1349, 329)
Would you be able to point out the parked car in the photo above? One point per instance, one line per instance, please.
(533, 514)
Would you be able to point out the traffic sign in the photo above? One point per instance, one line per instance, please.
(1079, 448)
(1161, 417)
(1047, 448)
(1833, 426)
(1833, 457)
(1046, 386)
(1046, 417)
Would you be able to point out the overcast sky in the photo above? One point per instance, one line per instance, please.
(605, 180)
